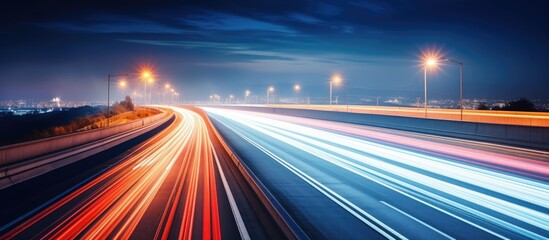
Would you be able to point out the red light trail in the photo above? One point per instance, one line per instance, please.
(170, 179)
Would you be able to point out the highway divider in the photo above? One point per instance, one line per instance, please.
(282, 218)
(22, 161)
(520, 136)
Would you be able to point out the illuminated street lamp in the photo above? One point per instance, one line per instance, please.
(122, 84)
(146, 76)
(269, 90)
(336, 79)
(246, 95)
(297, 88)
(430, 62)
(230, 98)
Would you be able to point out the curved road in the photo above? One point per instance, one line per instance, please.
(345, 181)
(172, 186)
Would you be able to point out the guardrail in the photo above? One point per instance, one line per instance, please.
(522, 136)
(22, 151)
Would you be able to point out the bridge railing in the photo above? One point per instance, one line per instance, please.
(22, 151)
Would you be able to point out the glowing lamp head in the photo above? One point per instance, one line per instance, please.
(431, 62)
(122, 84)
(271, 89)
(247, 93)
(146, 74)
(167, 86)
(336, 78)
(297, 87)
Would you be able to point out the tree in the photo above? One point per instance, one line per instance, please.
(127, 103)
(523, 104)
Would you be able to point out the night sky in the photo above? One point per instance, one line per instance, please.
(67, 48)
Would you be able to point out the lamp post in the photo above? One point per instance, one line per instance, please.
(460, 85)
(246, 95)
(166, 88)
(430, 62)
(147, 77)
(269, 90)
(230, 98)
(336, 79)
(297, 89)
(109, 93)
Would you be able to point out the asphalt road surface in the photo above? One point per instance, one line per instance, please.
(175, 185)
(345, 181)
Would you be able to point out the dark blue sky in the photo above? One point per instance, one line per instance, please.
(67, 48)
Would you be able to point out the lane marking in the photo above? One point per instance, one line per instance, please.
(417, 220)
(351, 167)
(234, 208)
(342, 202)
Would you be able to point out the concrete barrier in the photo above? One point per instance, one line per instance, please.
(537, 119)
(24, 170)
(522, 136)
(22, 151)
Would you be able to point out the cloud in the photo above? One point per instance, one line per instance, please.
(304, 18)
(228, 22)
(112, 24)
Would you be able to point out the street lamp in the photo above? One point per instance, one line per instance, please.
(430, 62)
(122, 84)
(146, 76)
(246, 95)
(336, 79)
(230, 98)
(297, 88)
(269, 90)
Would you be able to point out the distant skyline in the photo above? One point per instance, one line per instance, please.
(66, 49)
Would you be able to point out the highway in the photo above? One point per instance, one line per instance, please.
(345, 181)
(176, 185)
